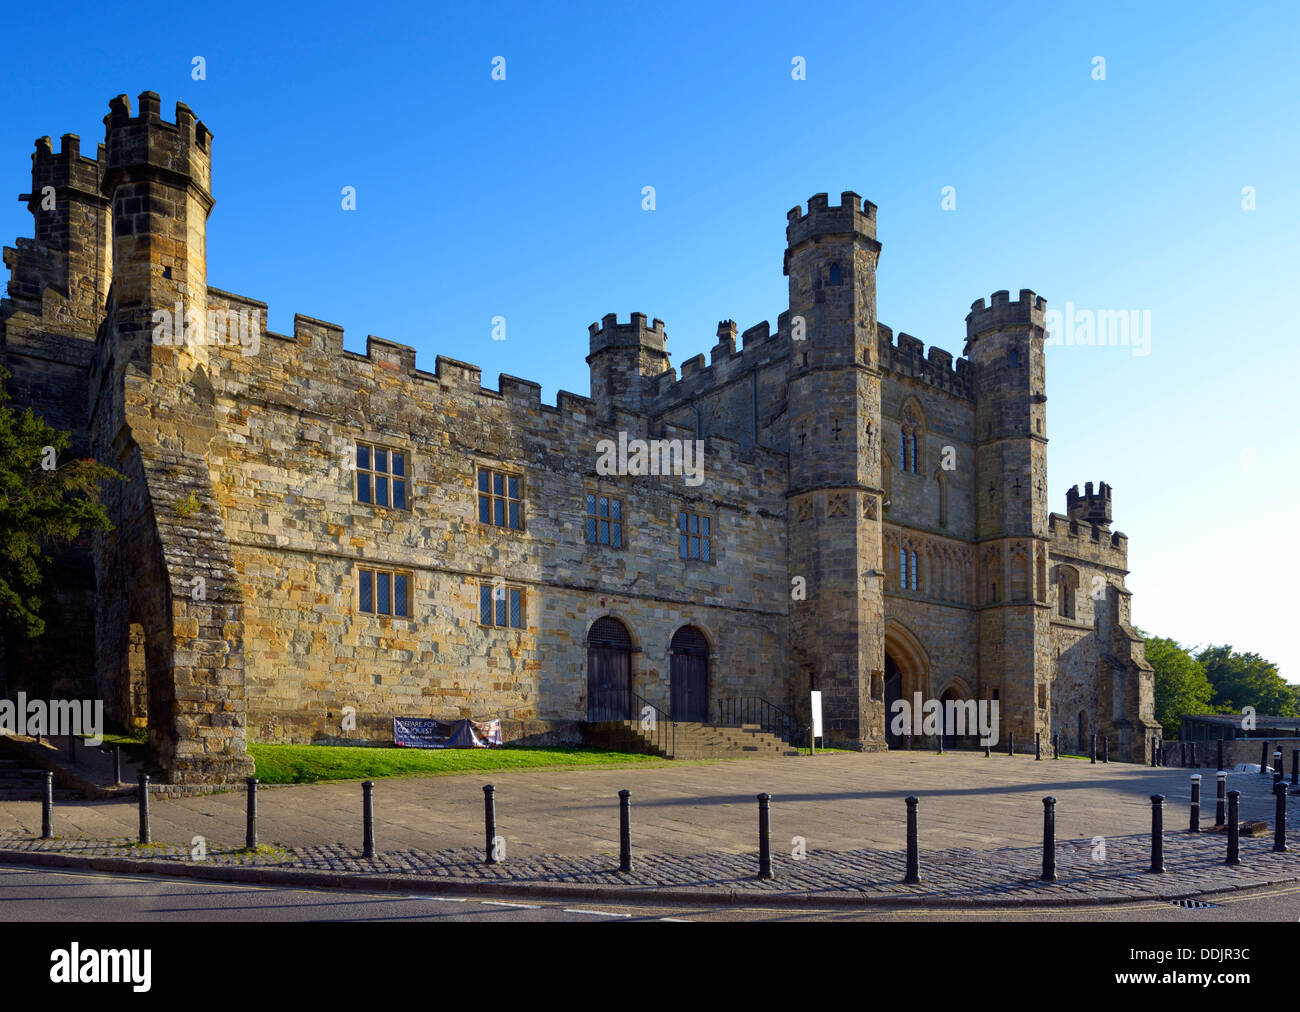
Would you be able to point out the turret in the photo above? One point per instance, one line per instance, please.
(72, 226)
(1004, 342)
(159, 178)
(624, 359)
(1094, 507)
(835, 495)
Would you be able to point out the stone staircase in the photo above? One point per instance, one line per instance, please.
(691, 740)
(21, 781)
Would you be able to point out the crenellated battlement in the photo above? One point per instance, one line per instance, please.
(609, 333)
(852, 216)
(938, 369)
(1088, 541)
(182, 149)
(1028, 310)
(1094, 507)
(699, 378)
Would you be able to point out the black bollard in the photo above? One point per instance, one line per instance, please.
(1234, 828)
(1219, 817)
(1263, 759)
(1279, 817)
(1295, 766)
(490, 823)
(144, 807)
(764, 836)
(47, 808)
(1093, 750)
(1011, 743)
(250, 831)
(1182, 754)
(1105, 750)
(1038, 745)
(624, 830)
(1157, 834)
(1277, 768)
(913, 850)
(368, 819)
(1049, 839)
(1195, 825)
(1220, 753)
(117, 764)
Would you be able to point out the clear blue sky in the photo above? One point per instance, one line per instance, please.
(522, 199)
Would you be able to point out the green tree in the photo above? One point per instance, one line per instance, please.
(45, 501)
(1242, 680)
(1182, 686)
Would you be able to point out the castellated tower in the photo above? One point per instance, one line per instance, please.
(837, 633)
(177, 629)
(624, 359)
(1004, 343)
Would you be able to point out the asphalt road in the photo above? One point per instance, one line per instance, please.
(38, 894)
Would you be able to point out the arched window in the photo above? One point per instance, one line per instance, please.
(913, 428)
(943, 499)
(914, 586)
(1019, 575)
(1041, 582)
(902, 568)
(902, 449)
(835, 274)
(1067, 587)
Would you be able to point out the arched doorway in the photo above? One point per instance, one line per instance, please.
(907, 672)
(959, 728)
(609, 671)
(690, 675)
(893, 692)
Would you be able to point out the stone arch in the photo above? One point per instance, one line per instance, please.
(912, 438)
(956, 688)
(907, 671)
(1067, 580)
(609, 670)
(689, 669)
(1019, 574)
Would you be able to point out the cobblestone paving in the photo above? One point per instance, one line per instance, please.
(1195, 863)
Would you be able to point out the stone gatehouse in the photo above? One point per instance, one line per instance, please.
(310, 537)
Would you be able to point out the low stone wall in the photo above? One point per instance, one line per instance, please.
(1235, 752)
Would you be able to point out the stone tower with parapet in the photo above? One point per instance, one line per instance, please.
(834, 494)
(152, 416)
(1004, 343)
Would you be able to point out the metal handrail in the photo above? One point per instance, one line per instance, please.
(735, 710)
(624, 704)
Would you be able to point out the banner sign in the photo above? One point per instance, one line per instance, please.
(817, 714)
(425, 732)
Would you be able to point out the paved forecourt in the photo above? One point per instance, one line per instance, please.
(835, 801)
